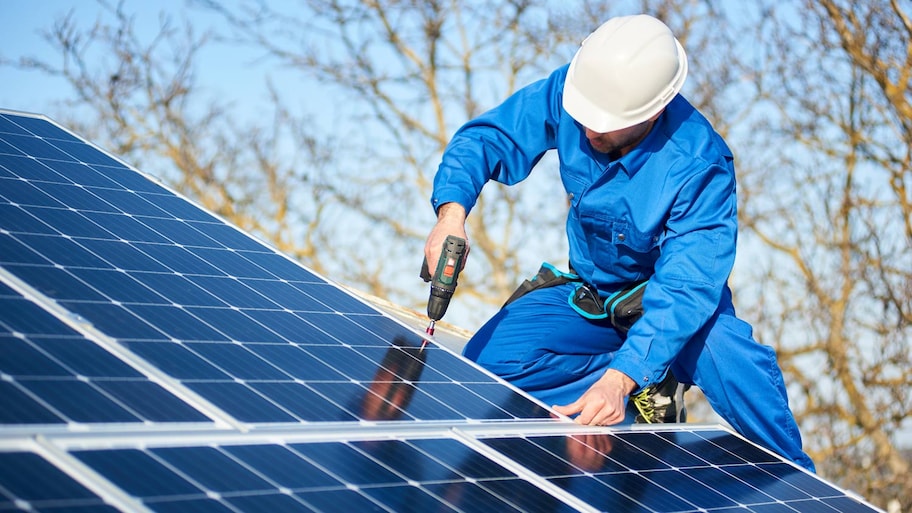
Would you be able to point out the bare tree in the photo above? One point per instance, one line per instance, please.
(140, 100)
(812, 95)
(832, 203)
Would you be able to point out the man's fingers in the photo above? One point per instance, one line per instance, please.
(591, 413)
(569, 409)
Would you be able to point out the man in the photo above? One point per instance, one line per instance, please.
(651, 188)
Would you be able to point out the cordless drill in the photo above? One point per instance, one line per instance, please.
(443, 282)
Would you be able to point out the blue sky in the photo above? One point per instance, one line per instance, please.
(229, 73)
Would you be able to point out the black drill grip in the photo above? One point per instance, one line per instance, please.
(446, 274)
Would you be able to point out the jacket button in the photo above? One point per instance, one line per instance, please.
(621, 237)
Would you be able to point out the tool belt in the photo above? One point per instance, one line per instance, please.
(622, 308)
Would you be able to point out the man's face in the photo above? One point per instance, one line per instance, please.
(619, 142)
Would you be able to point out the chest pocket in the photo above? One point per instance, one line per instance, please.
(619, 249)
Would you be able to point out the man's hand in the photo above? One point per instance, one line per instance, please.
(603, 403)
(451, 219)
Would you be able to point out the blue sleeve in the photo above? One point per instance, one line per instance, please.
(503, 144)
(697, 255)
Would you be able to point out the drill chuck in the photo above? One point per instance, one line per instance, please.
(438, 303)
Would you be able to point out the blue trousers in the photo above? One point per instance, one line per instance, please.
(541, 345)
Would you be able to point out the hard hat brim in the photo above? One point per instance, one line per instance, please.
(597, 119)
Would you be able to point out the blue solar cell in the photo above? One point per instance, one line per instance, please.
(36, 147)
(279, 265)
(85, 153)
(334, 298)
(353, 401)
(14, 219)
(177, 361)
(150, 401)
(296, 362)
(455, 368)
(136, 205)
(115, 321)
(29, 477)
(176, 258)
(144, 188)
(303, 402)
(212, 469)
(176, 231)
(220, 316)
(21, 192)
(61, 251)
(8, 149)
(339, 500)
(19, 407)
(228, 236)
(405, 497)
(117, 286)
(693, 443)
(54, 283)
(345, 330)
(69, 223)
(233, 292)
(468, 496)
(282, 466)
(661, 447)
(293, 327)
(123, 255)
(469, 404)
(734, 445)
(631, 457)
(267, 503)
(19, 358)
(37, 126)
(525, 495)
(231, 263)
(127, 228)
(22, 316)
(241, 402)
(236, 325)
(237, 361)
(31, 169)
(348, 464)
(179, 290)
(177, 207)
(176, 322)
(681, 484)
(78, 401)
(9, 127)
(14, 252)
(85, 358)
(76, 197)
(82, 174)
(138, 472)
(286, 295)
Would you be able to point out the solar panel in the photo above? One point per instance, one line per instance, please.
(155, 358)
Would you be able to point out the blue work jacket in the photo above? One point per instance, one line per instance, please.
(665, 211)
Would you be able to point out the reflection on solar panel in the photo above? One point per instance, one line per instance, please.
(155, 358)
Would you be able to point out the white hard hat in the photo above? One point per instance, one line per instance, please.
(624, 73)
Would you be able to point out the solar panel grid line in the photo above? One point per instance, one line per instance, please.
(521, 470)
(257, 242)
(646, 484)
(108, 493)
(354, 316)
(301, 368)
(382, 467)
(154, 374)
(75, 443)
